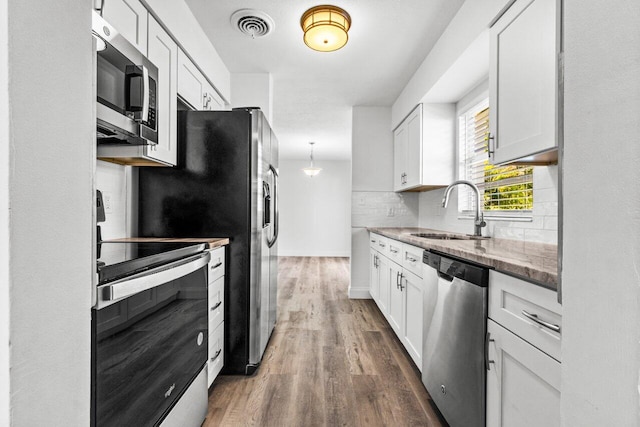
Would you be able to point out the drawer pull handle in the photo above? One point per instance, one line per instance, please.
(534, 318)
(213, 267)
(412, 259)
(214, 308)
(215, 356)
(382, 245)
(373, 241)
(395, 251)
(487, 361)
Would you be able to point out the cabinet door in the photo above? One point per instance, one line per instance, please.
(374, 275)
(413, 159)
(191, 82)
(523, 383)
(129, 17)
(413, 294)
(216, 353)
(212, 101)
(400, 141)
(216, 303)
(523, 80)
(163, 52)
(396, 300)
(385, 272)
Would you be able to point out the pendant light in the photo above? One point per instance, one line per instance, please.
(325, 28)
(310, 170)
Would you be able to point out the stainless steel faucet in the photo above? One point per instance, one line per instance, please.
(479, 219)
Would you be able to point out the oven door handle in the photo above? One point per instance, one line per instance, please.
(153, 278)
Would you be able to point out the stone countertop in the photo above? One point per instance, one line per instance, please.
(536, 262)
(213, 242)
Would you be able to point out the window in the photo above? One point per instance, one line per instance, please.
(506, 191)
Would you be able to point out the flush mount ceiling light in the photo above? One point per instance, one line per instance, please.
(310, 170)
(325, 28)
(253, 23)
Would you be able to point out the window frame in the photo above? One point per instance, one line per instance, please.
(464, 107)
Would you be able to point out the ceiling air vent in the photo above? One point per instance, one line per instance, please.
(253, 23)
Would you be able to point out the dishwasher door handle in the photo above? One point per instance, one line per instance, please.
(534, 318)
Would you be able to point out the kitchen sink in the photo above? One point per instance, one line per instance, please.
(440, 236)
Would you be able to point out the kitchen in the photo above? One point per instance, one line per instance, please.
(48, 147)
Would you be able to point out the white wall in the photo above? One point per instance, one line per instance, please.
(51, 164)
(601, 220)
(315, 213)
(466, 29)
(253, 90)
(373, 202)
(5, 162)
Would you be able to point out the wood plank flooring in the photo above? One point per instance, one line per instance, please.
(331, 361)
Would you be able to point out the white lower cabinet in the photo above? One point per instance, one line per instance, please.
(398, 290)
(523, 383)
(524, 333)
(396, 300)
(216, 353)
(374, 275)
(413, 294)
(216, 313)
(384, 297)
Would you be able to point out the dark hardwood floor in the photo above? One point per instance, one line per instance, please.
(331, 361)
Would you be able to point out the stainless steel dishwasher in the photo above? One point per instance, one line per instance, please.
(453, 369)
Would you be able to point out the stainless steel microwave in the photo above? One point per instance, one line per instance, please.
(126, 106)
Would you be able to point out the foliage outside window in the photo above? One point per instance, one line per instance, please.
(506, 191)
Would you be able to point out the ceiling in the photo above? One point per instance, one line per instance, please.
(313, 92)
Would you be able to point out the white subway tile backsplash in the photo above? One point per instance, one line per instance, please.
(384, 209)
(550, 223)
(511, 233)
(541, 236)
(542, 227)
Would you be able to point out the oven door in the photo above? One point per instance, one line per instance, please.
(149, 341)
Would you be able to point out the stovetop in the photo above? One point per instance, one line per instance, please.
(121, 259)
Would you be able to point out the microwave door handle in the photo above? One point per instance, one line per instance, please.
(145, 90)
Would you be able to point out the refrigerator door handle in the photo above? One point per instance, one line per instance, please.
(266, 217)
(276, 216)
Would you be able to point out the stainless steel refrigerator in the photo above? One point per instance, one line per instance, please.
(225, 185)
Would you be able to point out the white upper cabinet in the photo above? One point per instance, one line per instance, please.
(194, 88)
(525, 83)
(424, 148)
(163, 52)
(129, 17)
(400, 142)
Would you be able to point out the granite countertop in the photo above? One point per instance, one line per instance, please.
(536, 262)
(213, 242)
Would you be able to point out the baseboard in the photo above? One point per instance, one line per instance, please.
(359, 293)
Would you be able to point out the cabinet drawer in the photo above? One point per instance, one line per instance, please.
(216, 353)
(382, 245)
(216, 303)
(394, 250)
(373, 241)
(216, 264)
(527, 310)
(412, 259)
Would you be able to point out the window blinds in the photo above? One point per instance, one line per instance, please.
(504, 188)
